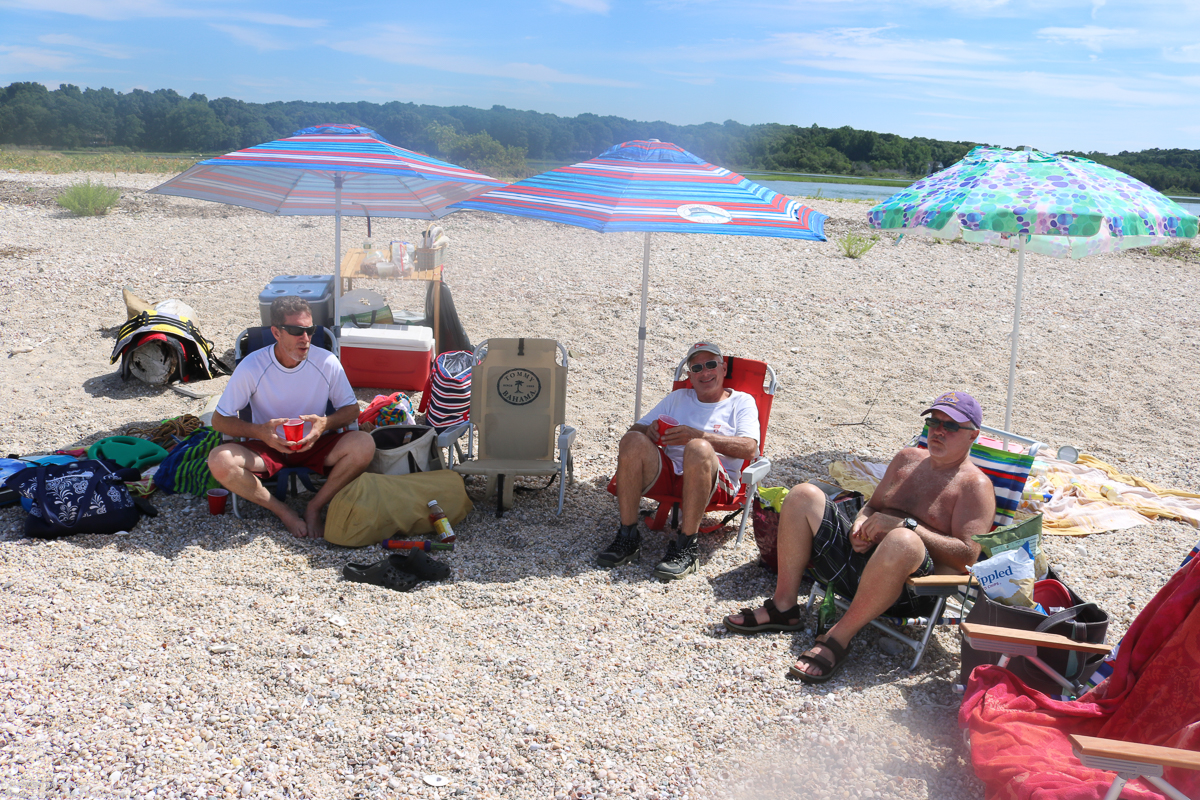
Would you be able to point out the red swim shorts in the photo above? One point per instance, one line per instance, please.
(313, 458)
(668, 484)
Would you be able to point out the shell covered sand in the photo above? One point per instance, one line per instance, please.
(204, 656)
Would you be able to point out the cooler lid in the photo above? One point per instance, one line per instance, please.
(388, 337)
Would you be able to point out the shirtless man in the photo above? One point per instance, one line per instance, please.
(290, 380)
(919, 521)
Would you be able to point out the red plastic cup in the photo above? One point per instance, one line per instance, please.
(664, 422)
(217, 500)
(293, 430)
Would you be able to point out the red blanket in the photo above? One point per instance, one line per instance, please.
(1019, 744)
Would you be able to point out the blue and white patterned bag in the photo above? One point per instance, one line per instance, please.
(80, 497)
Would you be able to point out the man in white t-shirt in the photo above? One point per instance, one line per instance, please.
(699, 460)
(291, 380)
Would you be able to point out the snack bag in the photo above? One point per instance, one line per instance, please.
(1007, 577)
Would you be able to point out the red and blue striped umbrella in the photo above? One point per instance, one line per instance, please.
(331, 170)
(653, 186)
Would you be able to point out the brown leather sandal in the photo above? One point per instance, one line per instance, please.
(830, 669)
(776, 620)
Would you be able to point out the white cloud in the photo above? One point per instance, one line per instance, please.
(865, 46)
(99, 48)
(1188, 54)
(594, 6)
(17, 59)
(157, 9)
(260, 41)
(1093, 37)
(429, 52)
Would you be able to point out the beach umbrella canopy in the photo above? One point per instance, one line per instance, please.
(650, 186)
(331, 170)
(1056, 205)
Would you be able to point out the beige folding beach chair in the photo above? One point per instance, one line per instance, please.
(518, 411)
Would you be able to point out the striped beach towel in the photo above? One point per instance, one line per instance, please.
(185, 469)
(1008, 472)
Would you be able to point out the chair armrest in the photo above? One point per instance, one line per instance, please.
(940, 585)
(453, 434)
(997, 637)
(566, 438)
(942, 580)
(756, 470)
(1120, 754)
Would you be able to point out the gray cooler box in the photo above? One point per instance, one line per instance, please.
(316, 289)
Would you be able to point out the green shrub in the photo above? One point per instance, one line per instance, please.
(1181, 250)
(89, 199)
(855, 246)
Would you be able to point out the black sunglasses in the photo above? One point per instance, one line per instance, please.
(299, 330)
(698, 367)
(947, 425)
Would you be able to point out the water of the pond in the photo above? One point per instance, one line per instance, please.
(860, 191)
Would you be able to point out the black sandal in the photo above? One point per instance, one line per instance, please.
(776, 620)
(830, 669)
(422, 566)
(388, 573)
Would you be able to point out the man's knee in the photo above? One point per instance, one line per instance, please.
(634, 440)
(221, 462)
(360, 446)
(697, 453)
(635, 445)
(803, 498)
(901, 547)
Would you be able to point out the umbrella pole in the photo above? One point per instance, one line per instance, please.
(1012, 359)
(337, 246)
(637, 403)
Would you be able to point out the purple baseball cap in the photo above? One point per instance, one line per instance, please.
(959, 406)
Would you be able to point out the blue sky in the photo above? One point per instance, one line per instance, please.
(1092, 75)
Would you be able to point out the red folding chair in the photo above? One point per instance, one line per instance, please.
(757, 379)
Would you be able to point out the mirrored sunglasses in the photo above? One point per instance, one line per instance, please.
(700, 367)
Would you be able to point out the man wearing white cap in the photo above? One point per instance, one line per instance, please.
(919, 520)
(698, 457)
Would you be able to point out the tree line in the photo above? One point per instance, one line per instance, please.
(498, 140)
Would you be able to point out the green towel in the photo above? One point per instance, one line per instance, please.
(772, 497)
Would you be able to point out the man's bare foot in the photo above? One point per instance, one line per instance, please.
(312, 519)
(296, 526)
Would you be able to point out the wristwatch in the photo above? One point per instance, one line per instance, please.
(910, 523)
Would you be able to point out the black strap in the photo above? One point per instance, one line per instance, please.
(521, 346)
(412, 463)
(1078, 629)
(354, 318)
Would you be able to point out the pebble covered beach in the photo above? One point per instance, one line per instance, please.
(203, 656)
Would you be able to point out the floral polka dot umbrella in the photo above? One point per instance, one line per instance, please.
(1060, 206)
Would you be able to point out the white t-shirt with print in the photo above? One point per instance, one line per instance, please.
(275, 392)
(736, 415)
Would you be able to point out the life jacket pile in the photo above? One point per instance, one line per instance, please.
(189, 354)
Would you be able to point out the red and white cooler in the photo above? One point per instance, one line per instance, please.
(396, 357)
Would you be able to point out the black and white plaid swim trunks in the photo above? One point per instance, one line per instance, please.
(835, 562)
